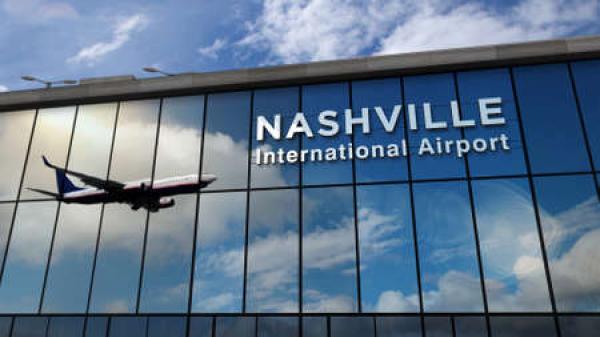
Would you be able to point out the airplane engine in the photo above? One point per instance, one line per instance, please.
(166, 202)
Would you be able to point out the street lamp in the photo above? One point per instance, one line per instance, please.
(156, 70)
(48, 84)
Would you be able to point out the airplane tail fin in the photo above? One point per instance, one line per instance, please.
(63, 183)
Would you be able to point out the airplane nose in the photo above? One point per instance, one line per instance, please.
(209, 177)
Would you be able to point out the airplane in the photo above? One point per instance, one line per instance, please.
(138, 194)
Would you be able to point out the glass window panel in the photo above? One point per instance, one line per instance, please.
(128, 327)
(329, 253)
(385, 93)
(510, 248)
(226, 139)
(219, 270)
(27, 257)
(587, 76)
(273, 252)
(522, 326)
(549, 115)
(472, 86)
(267, 103)
(96, 326)
(15, 131)
(166, 326)
(50, 138)
(166, 280)
(579, 326)
(314, 326)
(387, 252)
(6, 216)
(180, 137)
(438, 327)
(570, 215)
(200, 327)
(437, 90)
(65, 327)
(278, 326)
(398, 327)
(30, 327)
(470, 326)
(235, 327)
(5, 326)
(315, 99)
(447, 249)
(352, 327)
(70, 272)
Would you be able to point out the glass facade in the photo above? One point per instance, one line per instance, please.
(500, 239)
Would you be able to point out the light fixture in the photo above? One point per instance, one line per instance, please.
(156, 70)
(48, 84)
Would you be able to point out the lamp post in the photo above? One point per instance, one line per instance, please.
(48, 84)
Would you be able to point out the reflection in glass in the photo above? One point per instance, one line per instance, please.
(510, 248)
(398, 327)
(580, 326)
(447, 252)
(235, 327)
(570, 216)
(314, 326)
(352, 327)
(586, 75)
(438, 91)
(522, 326)
(226, 139)
(549, 115)
(70, 270)
(6, 216)
(128, 327)
(165, 285)
(166, 326)
(50, 138)
(470, 326)
(5, 325)
(474, 85)
(329, 253)
(96, 326)
(315, 99)
(200, 327)
(278, 326)
(30, 326)
(65, 327)
(273, 252)
(438, 327)
(268, 103)
(387, 252)
(219, 269)
(386, 94)
(23, 277)
(15, 131)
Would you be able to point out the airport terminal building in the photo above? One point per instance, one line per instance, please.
(448, 193)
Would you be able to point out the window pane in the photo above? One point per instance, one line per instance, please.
(329, 254)
(65, 327)
(386, 94)
(30, 327)
(315, 99)
(278, 326)
(470, 326)
(165, 286)
(200, 327)
(387, 252)
(552, 128)
(510, 246)
(314, 326)
(6, 216)
(15, 131)
(438, 91)
(226, 139)
(587, 76)
(522, 326)
(96, 326)
(579, 326)
(267, 103)
(273, 253)
(219, 270)
(449, 268)
(438, 327)
(23, 277)
(352, 327)
(570, 214)
(398, 327)
(5, 326)
(166, 327)
(128, 327)
(474, 85)
(235, 327)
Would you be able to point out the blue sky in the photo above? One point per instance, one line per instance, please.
(59, 39)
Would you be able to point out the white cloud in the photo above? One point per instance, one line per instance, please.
(3, 88)
(39, 10)
(121, 33)
(212, 51)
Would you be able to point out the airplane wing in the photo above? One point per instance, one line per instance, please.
(108, 185)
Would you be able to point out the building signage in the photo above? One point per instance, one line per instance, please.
(331, 123)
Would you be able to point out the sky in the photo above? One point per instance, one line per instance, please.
(60, 39)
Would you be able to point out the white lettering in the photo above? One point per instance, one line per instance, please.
(485, 111)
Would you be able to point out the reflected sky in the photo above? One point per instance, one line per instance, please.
(587, 76)
(15, 131)
(6, 216)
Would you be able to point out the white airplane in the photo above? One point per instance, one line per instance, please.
(138, 194)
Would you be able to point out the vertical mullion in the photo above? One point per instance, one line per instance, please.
(247, 234)
(354, 205)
